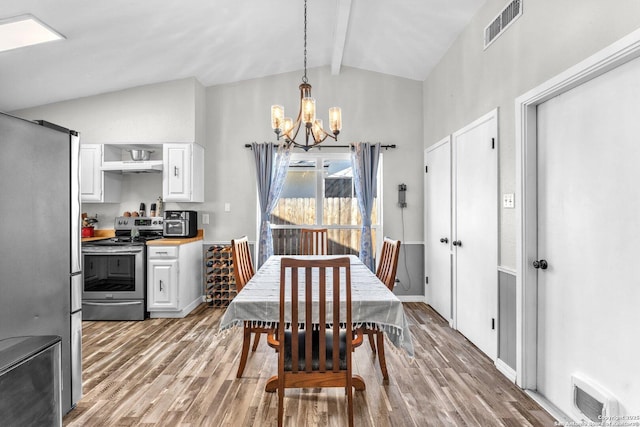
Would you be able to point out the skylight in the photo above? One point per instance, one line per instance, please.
(25, 30)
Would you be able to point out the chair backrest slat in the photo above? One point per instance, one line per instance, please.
(388, 265)
(242, 266)
(313, 241)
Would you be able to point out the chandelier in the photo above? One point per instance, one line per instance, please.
(314, 133)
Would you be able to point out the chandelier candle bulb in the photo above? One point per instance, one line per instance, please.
(287, 125)
(318, 132)
(277, 116)
(335, 119)
(308, 110)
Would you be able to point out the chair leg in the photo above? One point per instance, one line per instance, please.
(370, 334)
(246, 340)
(381, 358)
(350, 402)
(280, 407)
(256, 340)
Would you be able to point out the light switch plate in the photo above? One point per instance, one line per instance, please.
(508, 200)
(227, 207)
(205, 218)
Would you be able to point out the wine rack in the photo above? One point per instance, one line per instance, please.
(219, 281)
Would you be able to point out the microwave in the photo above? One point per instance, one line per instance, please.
(180, 224)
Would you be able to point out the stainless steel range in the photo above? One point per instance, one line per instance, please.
(115, 271)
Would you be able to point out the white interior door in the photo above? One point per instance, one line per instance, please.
(438, 227)
(475, 234)
(588, 230)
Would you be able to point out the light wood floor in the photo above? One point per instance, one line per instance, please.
(179, 372)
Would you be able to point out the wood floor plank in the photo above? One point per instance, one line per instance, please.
(182, 372)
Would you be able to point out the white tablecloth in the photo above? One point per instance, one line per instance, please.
(373, 305)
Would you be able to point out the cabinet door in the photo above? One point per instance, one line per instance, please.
(162, 286)
(90, 174)
(176, 174)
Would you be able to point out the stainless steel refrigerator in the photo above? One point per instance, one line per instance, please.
(40, 264)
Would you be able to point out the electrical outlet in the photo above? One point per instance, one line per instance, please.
(227, 207)
(205, 218)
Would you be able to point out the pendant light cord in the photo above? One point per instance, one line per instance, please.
(304, 78)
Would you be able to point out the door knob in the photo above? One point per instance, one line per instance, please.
(444, 240)
(541, 264)
(456, 243)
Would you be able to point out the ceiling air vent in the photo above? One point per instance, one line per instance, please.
(500, 23)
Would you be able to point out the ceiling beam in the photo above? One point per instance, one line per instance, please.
(343, 10)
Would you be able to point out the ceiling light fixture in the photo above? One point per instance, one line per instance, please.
(314, 133)
(25, 30)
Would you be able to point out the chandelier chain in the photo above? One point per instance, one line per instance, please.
(304, 78)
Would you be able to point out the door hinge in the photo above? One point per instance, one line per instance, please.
(493, 323)
(426, 280)
(493, 143)
(426, 169)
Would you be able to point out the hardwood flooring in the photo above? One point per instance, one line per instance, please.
(180, 372)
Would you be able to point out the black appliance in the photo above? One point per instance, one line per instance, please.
(115, 279)
(180, 224)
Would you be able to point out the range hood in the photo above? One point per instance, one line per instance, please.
(131, 166)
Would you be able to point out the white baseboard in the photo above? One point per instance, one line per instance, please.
(411, 298)
(552, 409)
(176, 314)
(506, 370)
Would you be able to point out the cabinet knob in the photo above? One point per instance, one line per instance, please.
(456, 243)
(444, 240)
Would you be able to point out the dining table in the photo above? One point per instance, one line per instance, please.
(374, 306)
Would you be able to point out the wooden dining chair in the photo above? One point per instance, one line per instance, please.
(243, 271)
(388, 264)
(386, 272)
(314, 351)
(313, 241)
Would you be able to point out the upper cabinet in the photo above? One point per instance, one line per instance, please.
(183, 173)
(96, 186)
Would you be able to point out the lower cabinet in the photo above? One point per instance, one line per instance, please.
(162, 284)
(174, 278)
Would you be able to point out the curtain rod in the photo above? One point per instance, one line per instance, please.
(386, 147)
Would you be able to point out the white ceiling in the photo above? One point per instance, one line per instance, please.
(117, 44)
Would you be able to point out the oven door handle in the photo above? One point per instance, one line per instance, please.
(103, 250)
(112, 303)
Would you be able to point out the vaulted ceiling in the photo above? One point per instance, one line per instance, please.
(117, 44)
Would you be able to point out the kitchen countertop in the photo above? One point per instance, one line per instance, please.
(176, 240)
(105, 234)
(100, 234)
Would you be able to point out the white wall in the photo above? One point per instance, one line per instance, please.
(164, 112)
(375, 108)
(468, 82)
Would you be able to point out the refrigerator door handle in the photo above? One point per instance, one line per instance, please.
(76, 261)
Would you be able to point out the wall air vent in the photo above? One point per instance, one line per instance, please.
(591, 402)
(500, 23)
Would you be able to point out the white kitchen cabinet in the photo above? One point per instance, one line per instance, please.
(162, 281)
(183, 173)
(174, 279)
(97, 186)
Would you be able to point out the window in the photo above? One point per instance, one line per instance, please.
(319, 192)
